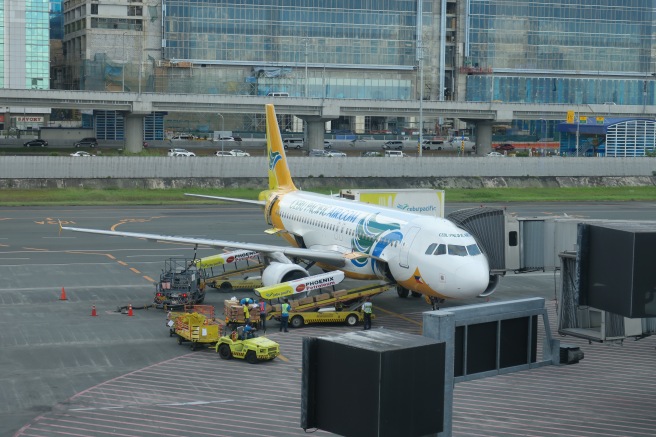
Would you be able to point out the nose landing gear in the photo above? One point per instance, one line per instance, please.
(434, 302)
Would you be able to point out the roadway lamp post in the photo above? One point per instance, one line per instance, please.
(222, 129)
(420, 59)
(124, 64)
(305, 41)
(420, 55)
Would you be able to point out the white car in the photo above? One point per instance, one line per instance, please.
(221, 153)
(183, 137)
(327, 145)
(237, 152)
(335, 154)
(495, 155)
(180, 152)
(81, 153)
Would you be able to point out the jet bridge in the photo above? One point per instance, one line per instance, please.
(488, 226)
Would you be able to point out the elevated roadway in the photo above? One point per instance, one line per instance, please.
(145, 103)
(313, 110)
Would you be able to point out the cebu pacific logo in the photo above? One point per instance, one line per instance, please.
(274, 157)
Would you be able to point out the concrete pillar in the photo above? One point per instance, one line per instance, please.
(357, 124)
(133, 142)
(483, 137)
(315, 133)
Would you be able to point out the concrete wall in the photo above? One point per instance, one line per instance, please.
(65, 135)
(153, 172)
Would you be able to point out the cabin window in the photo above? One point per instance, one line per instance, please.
(431, 248)
(473, 250)
(457, 250)
(441, 250)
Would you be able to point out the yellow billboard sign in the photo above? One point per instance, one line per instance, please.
(570, 117)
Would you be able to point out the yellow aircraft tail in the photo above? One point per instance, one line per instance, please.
(279, 176)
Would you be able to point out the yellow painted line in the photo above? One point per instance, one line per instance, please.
(148, 278)
(110, 256)
(284, 358)
(400, 316)
(122, 263)
(113, 228)
(135, 270)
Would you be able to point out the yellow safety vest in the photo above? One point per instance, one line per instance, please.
(247, 313)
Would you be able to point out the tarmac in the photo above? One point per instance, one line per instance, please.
(66, 372)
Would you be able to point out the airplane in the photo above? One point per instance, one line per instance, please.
(422, 255)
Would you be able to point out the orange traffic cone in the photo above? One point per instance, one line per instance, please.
(93, 311)
(63, 294)
(130, 310)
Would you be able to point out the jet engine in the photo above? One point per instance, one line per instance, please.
(276, 272)
(491, 286)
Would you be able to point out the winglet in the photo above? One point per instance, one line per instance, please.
(279, 175)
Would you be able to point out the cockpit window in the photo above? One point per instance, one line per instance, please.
(441, 249)
(473, 250)
(457, 250)
(431, 248)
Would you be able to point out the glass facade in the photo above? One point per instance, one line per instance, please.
(560, 51)
(37, 44)
(292, 32)
(562, 35)
(527, 89)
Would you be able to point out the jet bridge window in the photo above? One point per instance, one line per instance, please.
(457, 250)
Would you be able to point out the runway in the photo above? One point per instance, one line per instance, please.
(64, 372)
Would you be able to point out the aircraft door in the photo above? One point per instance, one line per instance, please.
(269, 208)
(405, 245)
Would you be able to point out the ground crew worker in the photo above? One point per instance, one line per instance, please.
(247, 314)
(263, 311)
(367, 308)
(284, 315)
(249, 331)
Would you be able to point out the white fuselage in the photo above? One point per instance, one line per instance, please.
(421, 253)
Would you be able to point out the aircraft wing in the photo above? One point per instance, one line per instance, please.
(329, 257)
(229, 199)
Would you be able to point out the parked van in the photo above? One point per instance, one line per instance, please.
(293, 143)
(432, 144)
(393, 154)
(277, 94)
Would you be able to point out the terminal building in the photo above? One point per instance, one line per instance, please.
(532, 51)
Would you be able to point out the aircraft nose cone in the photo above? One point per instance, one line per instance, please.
(473, 278)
